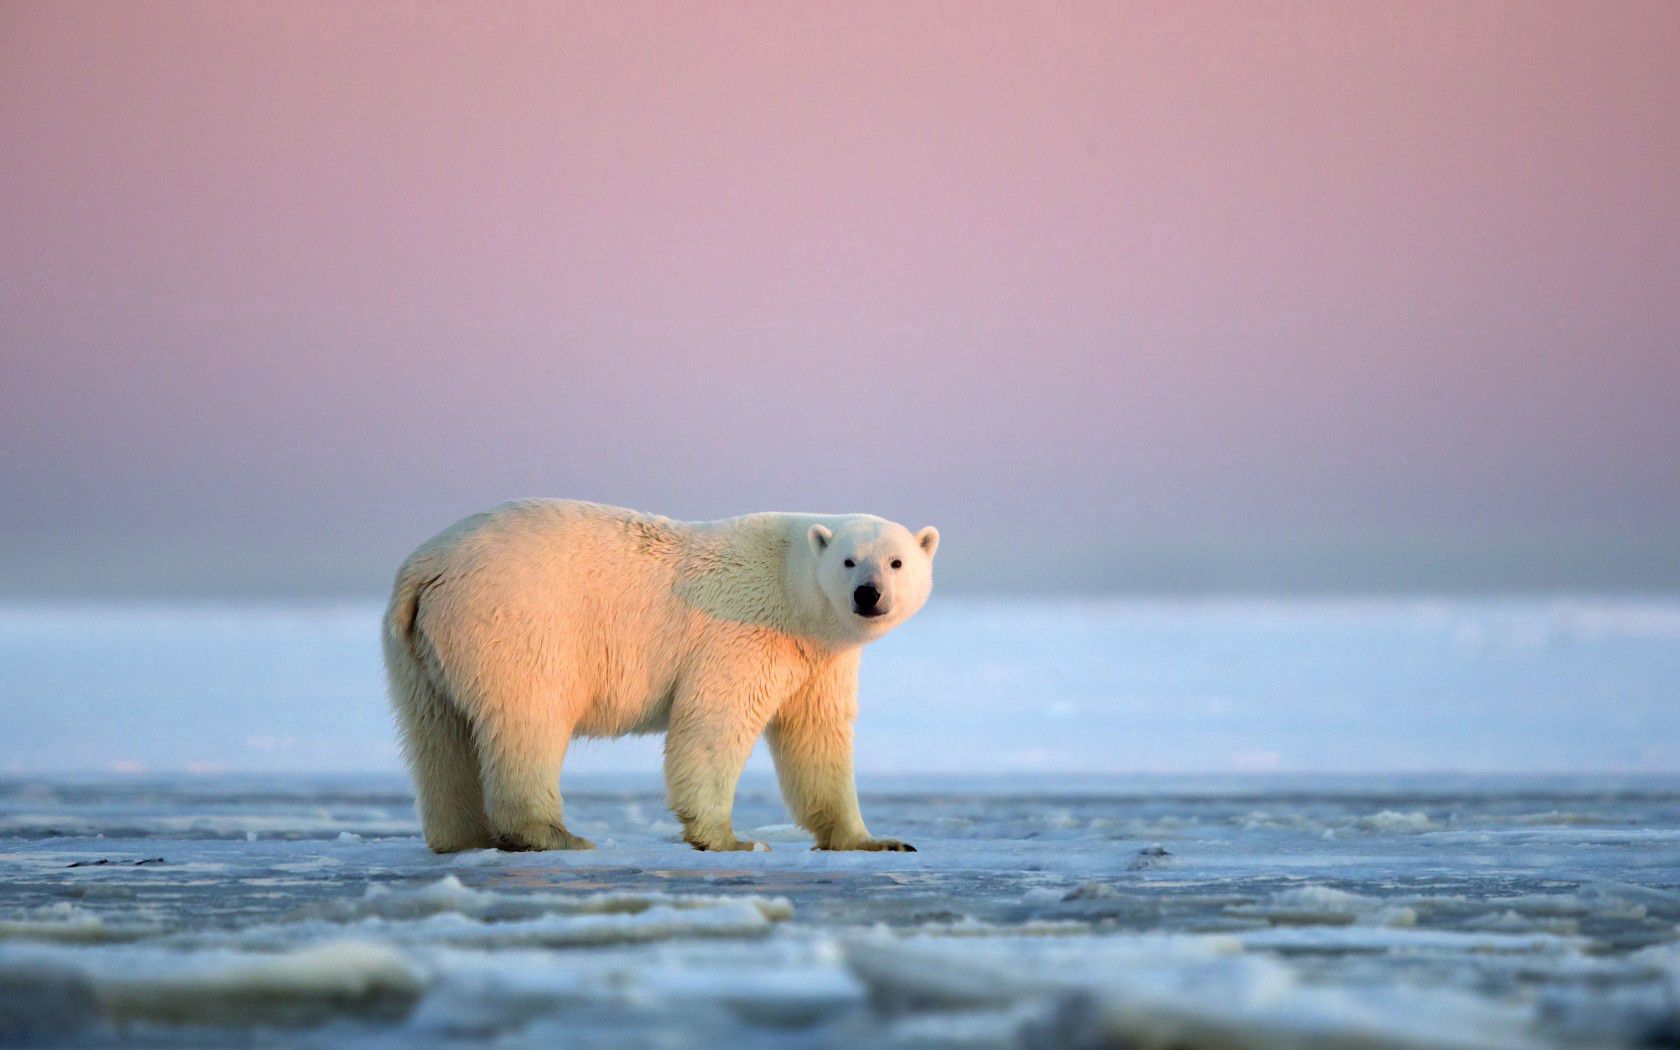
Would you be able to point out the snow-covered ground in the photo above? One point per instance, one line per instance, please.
(1140, 824)
(1248, 912)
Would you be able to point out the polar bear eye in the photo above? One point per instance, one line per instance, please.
(850, 564)
(898, 563)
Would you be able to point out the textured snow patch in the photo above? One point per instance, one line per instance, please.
(1356, 940)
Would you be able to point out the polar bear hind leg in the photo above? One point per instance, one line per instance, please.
(520, 765)
(438, 744)
(486, 765)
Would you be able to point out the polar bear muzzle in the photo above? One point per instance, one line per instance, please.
(866, 602)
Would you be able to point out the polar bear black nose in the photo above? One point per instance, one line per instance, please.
(867, 599)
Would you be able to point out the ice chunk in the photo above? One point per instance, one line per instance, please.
(1153, 990)
(70, 923)
(1391, 822)
(723, 918)
(229, 987)
(1326, 905)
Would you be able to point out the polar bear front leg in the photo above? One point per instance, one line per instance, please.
(811, 741)
(711, 733)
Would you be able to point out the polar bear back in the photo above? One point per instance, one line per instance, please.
(597, 611)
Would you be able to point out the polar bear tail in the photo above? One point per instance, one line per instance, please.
(405, 604)
(437, 739)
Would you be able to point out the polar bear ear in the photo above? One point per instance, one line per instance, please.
(819, 535)
(929, 539)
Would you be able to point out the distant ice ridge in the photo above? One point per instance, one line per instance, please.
(250, 826)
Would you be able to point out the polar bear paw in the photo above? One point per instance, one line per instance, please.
(725, 844)
(871, 846)
(539, 837)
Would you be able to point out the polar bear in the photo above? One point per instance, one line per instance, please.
(536, 621)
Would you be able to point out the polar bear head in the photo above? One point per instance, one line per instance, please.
(872, 574)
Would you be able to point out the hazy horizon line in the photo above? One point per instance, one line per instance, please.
(1187, 780)
(1210, 595)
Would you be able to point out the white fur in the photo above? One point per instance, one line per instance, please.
(516, 629)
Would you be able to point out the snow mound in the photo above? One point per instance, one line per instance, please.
(450, 896)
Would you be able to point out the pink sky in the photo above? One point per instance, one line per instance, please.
(1234, 295)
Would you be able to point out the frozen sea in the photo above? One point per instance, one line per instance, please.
(1140, 824)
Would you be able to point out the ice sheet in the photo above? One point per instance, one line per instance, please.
(1204, 914)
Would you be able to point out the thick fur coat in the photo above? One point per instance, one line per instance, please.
(536, 621)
